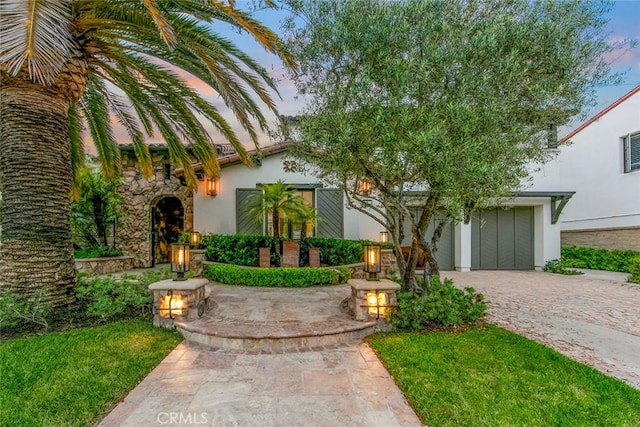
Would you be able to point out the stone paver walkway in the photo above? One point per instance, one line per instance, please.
(327, 382)
(344, 386)
(592, 318)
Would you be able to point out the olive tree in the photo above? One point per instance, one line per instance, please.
(442, 107)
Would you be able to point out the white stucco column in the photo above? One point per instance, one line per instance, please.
(462, 240)
(547, 236)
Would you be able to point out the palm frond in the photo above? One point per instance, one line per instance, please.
(96, 113)
(35, 33)
(161, 22)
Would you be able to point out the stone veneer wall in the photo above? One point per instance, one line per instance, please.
(607, 238)
(104, 265)
(133, 233)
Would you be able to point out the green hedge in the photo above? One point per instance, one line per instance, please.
(333, 251)
(598, 259)
(239, 249)
(275, 277)
(244, 249)
(634, 270)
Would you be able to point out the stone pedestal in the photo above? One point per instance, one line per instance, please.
(291, 253)
(196, 260)
(178, 298)
(314, 257)
(372, 298)
(265, 257)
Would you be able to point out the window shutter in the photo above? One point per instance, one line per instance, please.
(330, 213)
(634, 151)
(246, 222)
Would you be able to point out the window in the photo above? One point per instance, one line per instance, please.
(632, 152)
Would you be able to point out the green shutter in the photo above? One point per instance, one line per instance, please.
(330, 206)
(246, 222)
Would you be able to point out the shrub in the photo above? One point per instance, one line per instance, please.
(344, 274)
(272, 277)
(244, 249)
(16, 311)
(560, 267)
(240, 249)
(128, 296)
(333, 251)
(598, 259)
(634, 269)
(97, 252)
(442, 305)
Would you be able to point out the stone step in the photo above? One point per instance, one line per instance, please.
(277, 337)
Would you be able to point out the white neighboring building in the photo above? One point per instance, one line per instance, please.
(600, 161)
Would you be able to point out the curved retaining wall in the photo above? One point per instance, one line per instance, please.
(105, 265)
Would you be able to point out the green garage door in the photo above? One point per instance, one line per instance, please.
(502, 239)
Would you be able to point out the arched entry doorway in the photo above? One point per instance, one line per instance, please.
(167, 222)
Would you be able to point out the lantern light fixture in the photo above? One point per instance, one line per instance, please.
(212, 186)
(377, 304)
(372, 262)
(179, 260)
(384, 237)
(364, 187)
(194, 239)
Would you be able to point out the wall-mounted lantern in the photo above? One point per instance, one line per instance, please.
(212, 186)
(364, 187)
(372, 262)
(384, 237)
(194, 239)
(179, 260)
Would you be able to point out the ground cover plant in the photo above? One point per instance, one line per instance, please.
(598, 259)
(493, 377)
(96, 252)
(560, 267)
(74, 378)
(284, 277)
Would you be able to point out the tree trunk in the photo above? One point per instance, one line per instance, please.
(36, 255)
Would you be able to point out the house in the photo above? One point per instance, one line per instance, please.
(600, 161)
(522, 234)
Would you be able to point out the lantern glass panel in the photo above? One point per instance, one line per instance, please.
(384, 237)
(372, 259)
(179, 257)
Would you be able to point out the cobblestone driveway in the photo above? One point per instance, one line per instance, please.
(591, 320)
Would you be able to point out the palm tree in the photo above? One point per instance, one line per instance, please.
(276, 200)
(70, 64)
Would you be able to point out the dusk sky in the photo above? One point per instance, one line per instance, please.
(623, 25)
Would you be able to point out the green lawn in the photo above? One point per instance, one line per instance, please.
(75, 377)
(495, 378)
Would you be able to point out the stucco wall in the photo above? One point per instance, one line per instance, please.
(593, 166)
(133, 232)
(218, 214)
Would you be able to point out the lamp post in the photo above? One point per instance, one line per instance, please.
(179, 260)
(194, 239)
(372, 262)
(384, 237)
